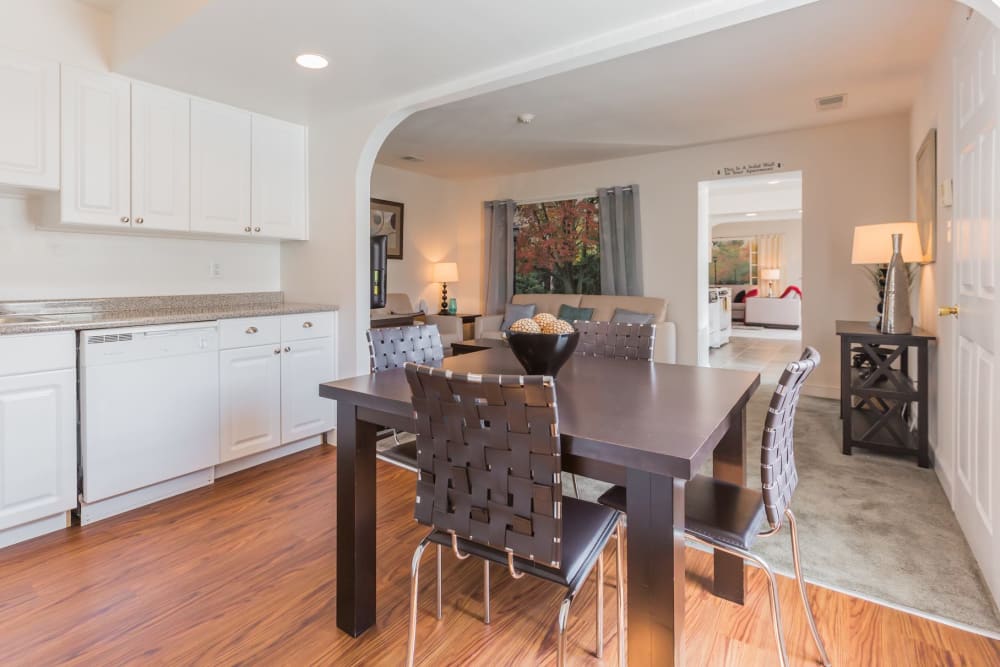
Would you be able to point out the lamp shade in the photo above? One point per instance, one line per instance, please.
(444, 272)
(770, 274)
(873, 243)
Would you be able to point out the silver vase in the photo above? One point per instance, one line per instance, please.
(896, 317)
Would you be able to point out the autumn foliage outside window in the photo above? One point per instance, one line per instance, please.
(557, 247)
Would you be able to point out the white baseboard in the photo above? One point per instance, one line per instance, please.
(822, 391)
(229, 467)
(29, 531)
(102, 509)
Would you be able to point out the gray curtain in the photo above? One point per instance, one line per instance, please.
(499, 255)
(621, 245)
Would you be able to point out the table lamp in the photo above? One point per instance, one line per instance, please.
(444, 273)
(873, 245)
(770, 275)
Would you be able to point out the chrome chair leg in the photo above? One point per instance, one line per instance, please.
(411, 644)
(439, 582)
(563, 621)
(395, 436)
(572, 478)
(796, 559)
(772, 587)
(620, 569)
(600, 605)
(486, 591)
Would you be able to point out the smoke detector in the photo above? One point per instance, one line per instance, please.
(831, 102)
(525, 118)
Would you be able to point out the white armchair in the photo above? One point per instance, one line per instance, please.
(450, 328)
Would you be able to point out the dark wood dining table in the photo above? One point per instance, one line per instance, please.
(647, 426)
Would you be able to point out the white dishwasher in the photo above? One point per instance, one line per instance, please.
(149, 414)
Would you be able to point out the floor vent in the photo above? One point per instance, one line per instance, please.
(831, 102)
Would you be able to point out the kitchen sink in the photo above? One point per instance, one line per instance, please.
(22, 319)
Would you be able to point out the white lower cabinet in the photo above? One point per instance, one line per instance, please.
(250, 388)
(305, 364)
(271, 369)
(37, 434)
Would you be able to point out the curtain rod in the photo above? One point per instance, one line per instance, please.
(580, 195)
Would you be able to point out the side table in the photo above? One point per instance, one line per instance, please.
(877, 390)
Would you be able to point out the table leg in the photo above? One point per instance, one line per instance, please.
(655, 569)
(729, 465)
(355, 521)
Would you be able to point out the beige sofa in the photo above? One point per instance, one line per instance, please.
(664, 347)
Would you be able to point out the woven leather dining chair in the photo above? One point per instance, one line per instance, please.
(391, 347)
(727, 516)
(615, 340)
(489, 486)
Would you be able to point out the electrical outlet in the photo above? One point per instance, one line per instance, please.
(214, 270)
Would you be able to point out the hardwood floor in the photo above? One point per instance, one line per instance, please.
(244, 572)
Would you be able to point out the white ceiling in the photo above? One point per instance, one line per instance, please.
(242, 51)
(750, 79)
(763, 197)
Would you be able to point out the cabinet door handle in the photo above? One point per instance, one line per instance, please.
(138, 221)
(277, 350)
(307, 325)
(256, 229)
(251, 330)
(246, 229)
(125, 219)
(288, 349)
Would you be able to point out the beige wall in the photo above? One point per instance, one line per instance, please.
(853, 174)
(433, 224)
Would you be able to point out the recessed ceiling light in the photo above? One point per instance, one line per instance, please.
(774, 182)
(412, 158)
(311, 60)
(751, 215)
(525, 118)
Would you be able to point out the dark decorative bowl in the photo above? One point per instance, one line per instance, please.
(543, 354)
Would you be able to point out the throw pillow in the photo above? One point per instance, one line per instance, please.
(791, 292)
(742, 294)
(624, 316)
(515, 312)
(569, 313)
(752, 293)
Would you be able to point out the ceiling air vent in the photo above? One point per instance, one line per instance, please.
(412, 158)
(831, 102)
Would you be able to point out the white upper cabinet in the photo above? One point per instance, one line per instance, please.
(220, 169)
(29, 122)
(161, 158)
(95, 156)
(279, 179)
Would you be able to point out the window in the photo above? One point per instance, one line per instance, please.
(557, 247)
(734, 262)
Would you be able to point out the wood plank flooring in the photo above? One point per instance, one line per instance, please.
(244, 573)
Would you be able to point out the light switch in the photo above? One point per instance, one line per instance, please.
(214, 270)
(945, 192)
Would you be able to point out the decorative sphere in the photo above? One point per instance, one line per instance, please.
(525, 325)
(557, 327)
(542, 318)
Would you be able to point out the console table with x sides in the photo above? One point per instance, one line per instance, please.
(878, 392)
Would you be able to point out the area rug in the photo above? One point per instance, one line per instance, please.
(869, 524)
(872, 525)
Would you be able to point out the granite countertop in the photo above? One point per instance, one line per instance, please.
(81, 314)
